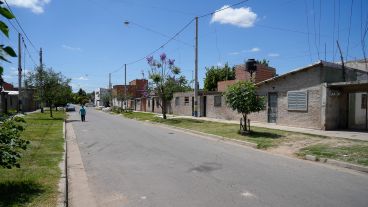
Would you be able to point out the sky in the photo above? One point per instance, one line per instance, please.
(86, 40)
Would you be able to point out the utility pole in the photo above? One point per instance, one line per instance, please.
(342, 62)
(125, 88)
(109, 80)
(20, 104)
(41, 80)
(196, 85)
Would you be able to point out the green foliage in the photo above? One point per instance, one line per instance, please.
(242, 97)
(81, 97)
(11, 143)
(51, 87)
(106, 99)
(166, 80)
(5, 51)
(263, 62)
(216, 74)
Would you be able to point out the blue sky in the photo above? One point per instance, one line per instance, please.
(87, 39)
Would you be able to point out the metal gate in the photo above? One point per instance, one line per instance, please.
(272, 108)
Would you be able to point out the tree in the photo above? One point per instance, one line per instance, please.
(263, 62)
(216, 74)
(242, 97)
(106, 98)
(5, 51)
(165, 80)
(49, 85)
(81, 97)
(11, 142)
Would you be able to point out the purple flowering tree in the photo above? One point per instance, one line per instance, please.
(165, 79)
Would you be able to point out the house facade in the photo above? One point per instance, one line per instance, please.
(320, 96)
(136, 92)
(99, 93)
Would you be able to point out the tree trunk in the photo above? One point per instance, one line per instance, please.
(163, 109)
(245, 123)
(51, 110)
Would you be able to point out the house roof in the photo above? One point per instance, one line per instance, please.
(298, 70)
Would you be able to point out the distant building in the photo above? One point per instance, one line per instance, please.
(136, 93)
(262, 73)
(99, 94)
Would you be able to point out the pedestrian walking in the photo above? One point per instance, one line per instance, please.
(83, 112)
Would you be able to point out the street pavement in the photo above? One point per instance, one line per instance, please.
(131, 163)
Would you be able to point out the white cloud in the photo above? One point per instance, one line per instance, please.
(219, 64)
(234, 53)
(241, 17)
(36, 6)
(273, 55)
(255, 49)
(67, 47)
(83, 78)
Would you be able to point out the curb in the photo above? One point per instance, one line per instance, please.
(213, 136)
(337, 163)
(62, 200)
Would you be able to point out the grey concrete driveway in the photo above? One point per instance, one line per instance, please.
(130, 163)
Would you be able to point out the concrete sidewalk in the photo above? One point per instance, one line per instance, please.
(340, 134)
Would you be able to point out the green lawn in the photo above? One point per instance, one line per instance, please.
(356, 153)
(263, 137)
(35, 183)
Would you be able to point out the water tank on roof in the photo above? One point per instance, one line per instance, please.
(251, 65)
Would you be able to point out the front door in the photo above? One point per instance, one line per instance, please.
(272, 107)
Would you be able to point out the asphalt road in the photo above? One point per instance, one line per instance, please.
(130, 163)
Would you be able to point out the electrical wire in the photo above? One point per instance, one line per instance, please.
(351, 14)
(29, 54)
(306, 14)
(159, 33)
(213, 12)
(20, 26)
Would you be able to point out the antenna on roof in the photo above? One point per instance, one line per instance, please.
(342, 61)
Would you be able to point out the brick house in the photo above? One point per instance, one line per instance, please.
(135, 90)
(263, 72)
(320, 96)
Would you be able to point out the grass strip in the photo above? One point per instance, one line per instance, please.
(36, 182)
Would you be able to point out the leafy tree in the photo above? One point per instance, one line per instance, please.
(106, 99)
(165, 80)
(81, 97)
(11, 142)
(64, 93)
(5, 51)
(263, 62)
(243, 98)
(216, 74)
(49, 85)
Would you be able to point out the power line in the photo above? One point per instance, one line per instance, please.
(29, 54)
(159, 33)
(20, 26)
(214, 12)
(306, 14)
(164, 44)
(351, 14)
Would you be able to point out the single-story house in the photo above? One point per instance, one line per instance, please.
(323, 95)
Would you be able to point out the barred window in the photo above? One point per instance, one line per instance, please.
(297, 100)
(364, 101)
(217, 101)
(186, 100)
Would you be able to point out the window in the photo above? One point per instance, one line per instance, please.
(364, 101)
(217, 101)
(149, 102)
(177, 101)
(186, 100)
(297, 100)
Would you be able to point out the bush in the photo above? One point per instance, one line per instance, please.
(11, 143)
